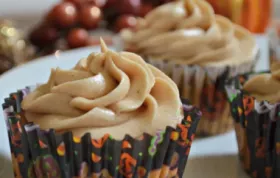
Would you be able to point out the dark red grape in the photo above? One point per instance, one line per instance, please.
(43, 35)
(90, 16)
(111, 4)
(125, 21)
(145, 9)
(129, 6)
(100, 3)
(77, 37)
(64, 15)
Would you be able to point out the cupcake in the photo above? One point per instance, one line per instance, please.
(274, 43)
(254, 100)
(199, 51)
(112, 115)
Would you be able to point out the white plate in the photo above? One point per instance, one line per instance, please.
(214, 156)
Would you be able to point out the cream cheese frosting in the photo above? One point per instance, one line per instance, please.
(266, 86)
(106, 93)
(190, 33)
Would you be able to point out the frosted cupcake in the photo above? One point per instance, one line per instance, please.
(199, 51)
(274, 44)
(254, 100)
(112, 115)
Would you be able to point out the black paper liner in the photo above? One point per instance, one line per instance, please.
(47, 154)
(257, 125)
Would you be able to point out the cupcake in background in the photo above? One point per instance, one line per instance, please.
(199, 51)
(112, 115)
(254, 100)
(274, 42)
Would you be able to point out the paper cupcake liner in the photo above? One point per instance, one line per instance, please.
(38, 153)
(257, 126)
(274, 45)
(204, 87)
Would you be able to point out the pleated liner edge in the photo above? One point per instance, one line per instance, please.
(40, 154)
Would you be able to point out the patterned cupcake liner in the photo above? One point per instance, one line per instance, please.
(257, 126)
(274, 45)
(204, 87)
(38, 153)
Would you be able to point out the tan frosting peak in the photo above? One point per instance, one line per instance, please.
(190, 33)
(265, 86)
(109, 92)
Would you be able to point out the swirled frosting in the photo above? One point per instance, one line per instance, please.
(266, 86)
(108, 92)
(190, 33)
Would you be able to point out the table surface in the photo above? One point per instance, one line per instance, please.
(214, 156)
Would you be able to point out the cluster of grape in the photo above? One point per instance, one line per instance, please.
(71, 20)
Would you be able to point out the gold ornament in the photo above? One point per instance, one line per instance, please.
(12, 43)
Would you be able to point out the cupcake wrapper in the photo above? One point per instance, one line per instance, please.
(274, 45)
(204, 86)
(38, 153)
(257, 126)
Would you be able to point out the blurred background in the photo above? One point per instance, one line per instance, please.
(32, 10)
(26, 31)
